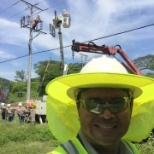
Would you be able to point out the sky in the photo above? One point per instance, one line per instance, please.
(90, 20)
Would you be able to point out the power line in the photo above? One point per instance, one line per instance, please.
(111, 35)
(18, 13)
(50, 7)
(35, 53)
(130, 30)
(12, 17)
(25, 10)
(14, 59)
(9, 7)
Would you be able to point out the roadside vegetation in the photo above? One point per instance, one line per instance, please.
(17, 138)
(27, 138)
(147, 147)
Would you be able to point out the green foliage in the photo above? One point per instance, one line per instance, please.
(16, 138)
(48, 70)
(146, 62)
(27, 148)
(151, 75)
(21, 87)
(20, 75)
(74, 68)
(147, 147)
(17, 132)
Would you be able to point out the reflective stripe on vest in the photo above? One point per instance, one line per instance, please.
(69, 147)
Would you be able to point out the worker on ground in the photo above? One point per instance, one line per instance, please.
(3, 111)
(100, 110)
(35, 22)
(21, 110)
(10, 112)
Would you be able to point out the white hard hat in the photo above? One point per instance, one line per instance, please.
(8, 105)
(2, 104)
(104, 64)
(19, 104)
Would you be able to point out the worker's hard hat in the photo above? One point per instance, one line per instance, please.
(38, 16)
(2, 104)
(105, 71)
(19, 104)
(8, 105)
(104, 64)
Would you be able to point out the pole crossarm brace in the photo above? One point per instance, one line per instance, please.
(39, 32)
(31, 5)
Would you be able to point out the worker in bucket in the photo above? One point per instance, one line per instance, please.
(101, 110)
(35, 22)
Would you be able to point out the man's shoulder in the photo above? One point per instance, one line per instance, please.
(72, 146)
(128, 147)
(58, 150)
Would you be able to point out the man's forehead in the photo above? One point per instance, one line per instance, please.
(81, 91)
(103, 89)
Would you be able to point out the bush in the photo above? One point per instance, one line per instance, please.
(147, 147)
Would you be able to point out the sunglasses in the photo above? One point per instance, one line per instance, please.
(98, 106)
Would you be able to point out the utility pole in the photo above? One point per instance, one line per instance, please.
(28, 22)
(83, 59)
(64, 20)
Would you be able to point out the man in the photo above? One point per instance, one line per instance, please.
(101, 109)
(21, 112)
(10, 112)
(3, 111)
(35, 22)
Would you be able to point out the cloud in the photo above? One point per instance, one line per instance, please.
(4, 55)
(90, 19)
(11, 33)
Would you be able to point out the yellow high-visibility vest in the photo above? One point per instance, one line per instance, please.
(74, 146)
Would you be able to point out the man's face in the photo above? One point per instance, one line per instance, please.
(106, 128)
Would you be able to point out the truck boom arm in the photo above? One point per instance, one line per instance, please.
(92, 48)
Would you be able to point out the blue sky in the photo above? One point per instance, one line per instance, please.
(90, 19)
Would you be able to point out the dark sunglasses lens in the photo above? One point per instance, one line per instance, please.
(118, 104)
(115, 105)
(93, 106)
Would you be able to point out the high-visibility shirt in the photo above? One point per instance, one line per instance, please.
(74, 146)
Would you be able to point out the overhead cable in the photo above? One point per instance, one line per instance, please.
(9, 7)
(127, 31)
(107, 36)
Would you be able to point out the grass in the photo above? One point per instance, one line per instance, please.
(17, 138)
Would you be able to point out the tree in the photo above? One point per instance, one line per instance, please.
(48, 70)
(21, 87)
(146, 62)
(151, 75)
(20, 75)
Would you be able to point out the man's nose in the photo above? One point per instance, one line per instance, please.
(107, 114)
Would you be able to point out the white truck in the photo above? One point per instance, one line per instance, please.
(36, 111)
